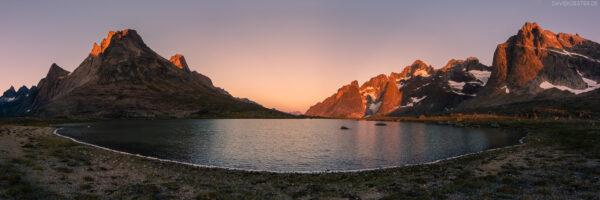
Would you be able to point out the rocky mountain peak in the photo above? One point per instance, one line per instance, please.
(568, 40)
(472, 59)
(529, 27)
(459, 62)
(11, 98)
(450, 64)
(350, 87)
(127, 36)
(23, 90)
(354, 84)
(124, 78)
(179, 61)
(519, 59)
(533, 36)
(56, 71)
(10, 92)
(418, 68)
(536, 60)
(377, 80)
(390, 100)
(374, 87)
(419, 63)
(347, 102)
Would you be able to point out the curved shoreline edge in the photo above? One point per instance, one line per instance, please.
(55, 132)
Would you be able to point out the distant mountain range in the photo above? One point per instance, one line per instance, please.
(123, 78)
(535, 65)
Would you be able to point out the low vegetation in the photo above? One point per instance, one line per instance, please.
(560, 159)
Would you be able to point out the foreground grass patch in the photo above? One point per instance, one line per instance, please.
(557, 160)
(13, 185)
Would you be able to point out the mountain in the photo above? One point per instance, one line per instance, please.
(538, 64)
(11, 100)
(346, 103)
(444, 89)
(535, 65)
(123, 78)
(419, 88)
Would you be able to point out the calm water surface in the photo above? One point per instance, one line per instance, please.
(289, 144)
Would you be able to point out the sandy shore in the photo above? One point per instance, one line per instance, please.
(35, 163)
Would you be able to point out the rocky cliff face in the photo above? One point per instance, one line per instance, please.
(123, 77)
(346, 103)
(444, 89)
(8, 94)
(179, 61)
(419, 88)
(534, 64)
(521, 57)
(538, 64)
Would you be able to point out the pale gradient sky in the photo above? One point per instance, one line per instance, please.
(283, 54)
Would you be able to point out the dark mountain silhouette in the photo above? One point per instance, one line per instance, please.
(123, 78)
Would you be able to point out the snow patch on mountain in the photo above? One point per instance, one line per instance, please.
(572, 54)
(464, 94)
(592, 85)
(483, 76)
(369, 91)
(406, 78)
(422, 86)
(421, 73)
(505, 89)
(7, 99)
(413, 101)
(456, 85)
(374, 107)
(399, 85)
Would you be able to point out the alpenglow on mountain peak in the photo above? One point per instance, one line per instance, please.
(534, 64)
(117, 36)
(124, 78)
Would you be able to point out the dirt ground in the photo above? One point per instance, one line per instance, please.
(36, 164)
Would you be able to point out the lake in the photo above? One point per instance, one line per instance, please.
(299, 145)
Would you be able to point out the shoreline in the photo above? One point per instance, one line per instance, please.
(556, 160)
(55, 132)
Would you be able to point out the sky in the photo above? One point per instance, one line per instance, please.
(286, 55)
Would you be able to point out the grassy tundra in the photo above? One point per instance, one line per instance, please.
(559, 159)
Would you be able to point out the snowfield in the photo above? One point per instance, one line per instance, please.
(421, 73)
(592, 85)
(505, 89)
(456, 85)
(413, 101)
(572, 54)
(9, 99)
(369, 91)
(483, 76)
(374, 107)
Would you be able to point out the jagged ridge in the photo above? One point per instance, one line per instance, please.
(123, 77)
(419, 87)
(531, 65)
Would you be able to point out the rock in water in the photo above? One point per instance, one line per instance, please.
(495, 125)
